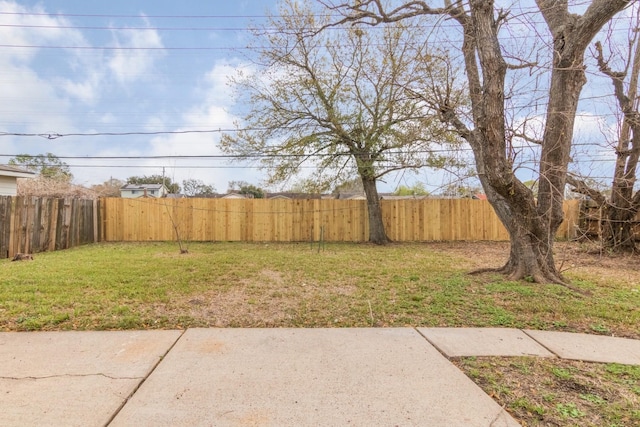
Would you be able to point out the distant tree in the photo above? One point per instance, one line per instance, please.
(110, 188)
(47, 165)
(460, 190)
(335, 101)
(307, 185)
(416, 189)
(353, 185)
(196, 187)
(242, 187)
(173, 187)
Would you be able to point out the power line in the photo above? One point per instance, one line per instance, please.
(54, 135)
(120, 48)
(89, 15)
(92, 27)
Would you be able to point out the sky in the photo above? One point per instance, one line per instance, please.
(93, 82)
(149, 69)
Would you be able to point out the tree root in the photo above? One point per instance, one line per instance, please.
(540, 279)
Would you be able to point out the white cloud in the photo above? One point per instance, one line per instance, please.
(86, 91)
(35, 97)
(212, 113)
(129, 64)
(33, 30)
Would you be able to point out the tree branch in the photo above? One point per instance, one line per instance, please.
(581, 187)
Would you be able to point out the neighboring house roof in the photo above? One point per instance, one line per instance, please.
(394, 197)
(130, 191)
(142, 187)
(6, 170)
(235, 196)
(288, 195)
(479, 196)
(351, 196)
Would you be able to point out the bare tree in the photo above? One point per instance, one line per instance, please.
(110, 188)
(197, 188)
(42, 186)
(621, 208)
(334, 100)
(532, 223)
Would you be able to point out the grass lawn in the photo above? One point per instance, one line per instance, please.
(152, 285)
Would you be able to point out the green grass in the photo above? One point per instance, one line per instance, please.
(151, 285)
(552, 392)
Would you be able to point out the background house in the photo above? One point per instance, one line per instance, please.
(9, 179)
(134, 191)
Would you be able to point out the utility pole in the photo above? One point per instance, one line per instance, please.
(163, 183)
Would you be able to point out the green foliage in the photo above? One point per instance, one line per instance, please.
(337, 100)
(624, 371)
(47, 165)
(174, 188)
(243, 187)
(416, 189)
(561, 373)
(196, 188)
(353, 185)
(527, 405)
(569, 410)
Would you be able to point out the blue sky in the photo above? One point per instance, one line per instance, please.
(157, 67)
(82, 67)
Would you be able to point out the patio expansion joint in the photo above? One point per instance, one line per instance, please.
(434, 345)
(541, 344)
(143, 379)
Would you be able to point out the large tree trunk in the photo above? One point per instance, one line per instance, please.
(532, 224)
(377, 233)
(531, 232)
(617, 229)
(619, 213)
(531, 254)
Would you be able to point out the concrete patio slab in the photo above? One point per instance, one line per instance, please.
(461, 342)
(293, 377)
(589, 348)
(74, 378)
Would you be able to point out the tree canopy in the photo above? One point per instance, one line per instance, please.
(334, 102)
(492, 60)
(243, 187)
(197, 188)
(47, 165)
(173, 187)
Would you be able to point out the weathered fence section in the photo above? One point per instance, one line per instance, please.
(259, 220)
(33, 224)
(592, 220)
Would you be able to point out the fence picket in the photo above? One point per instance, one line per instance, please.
(32, 225)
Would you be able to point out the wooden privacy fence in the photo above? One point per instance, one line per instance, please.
(32, 224)
(259, 220)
